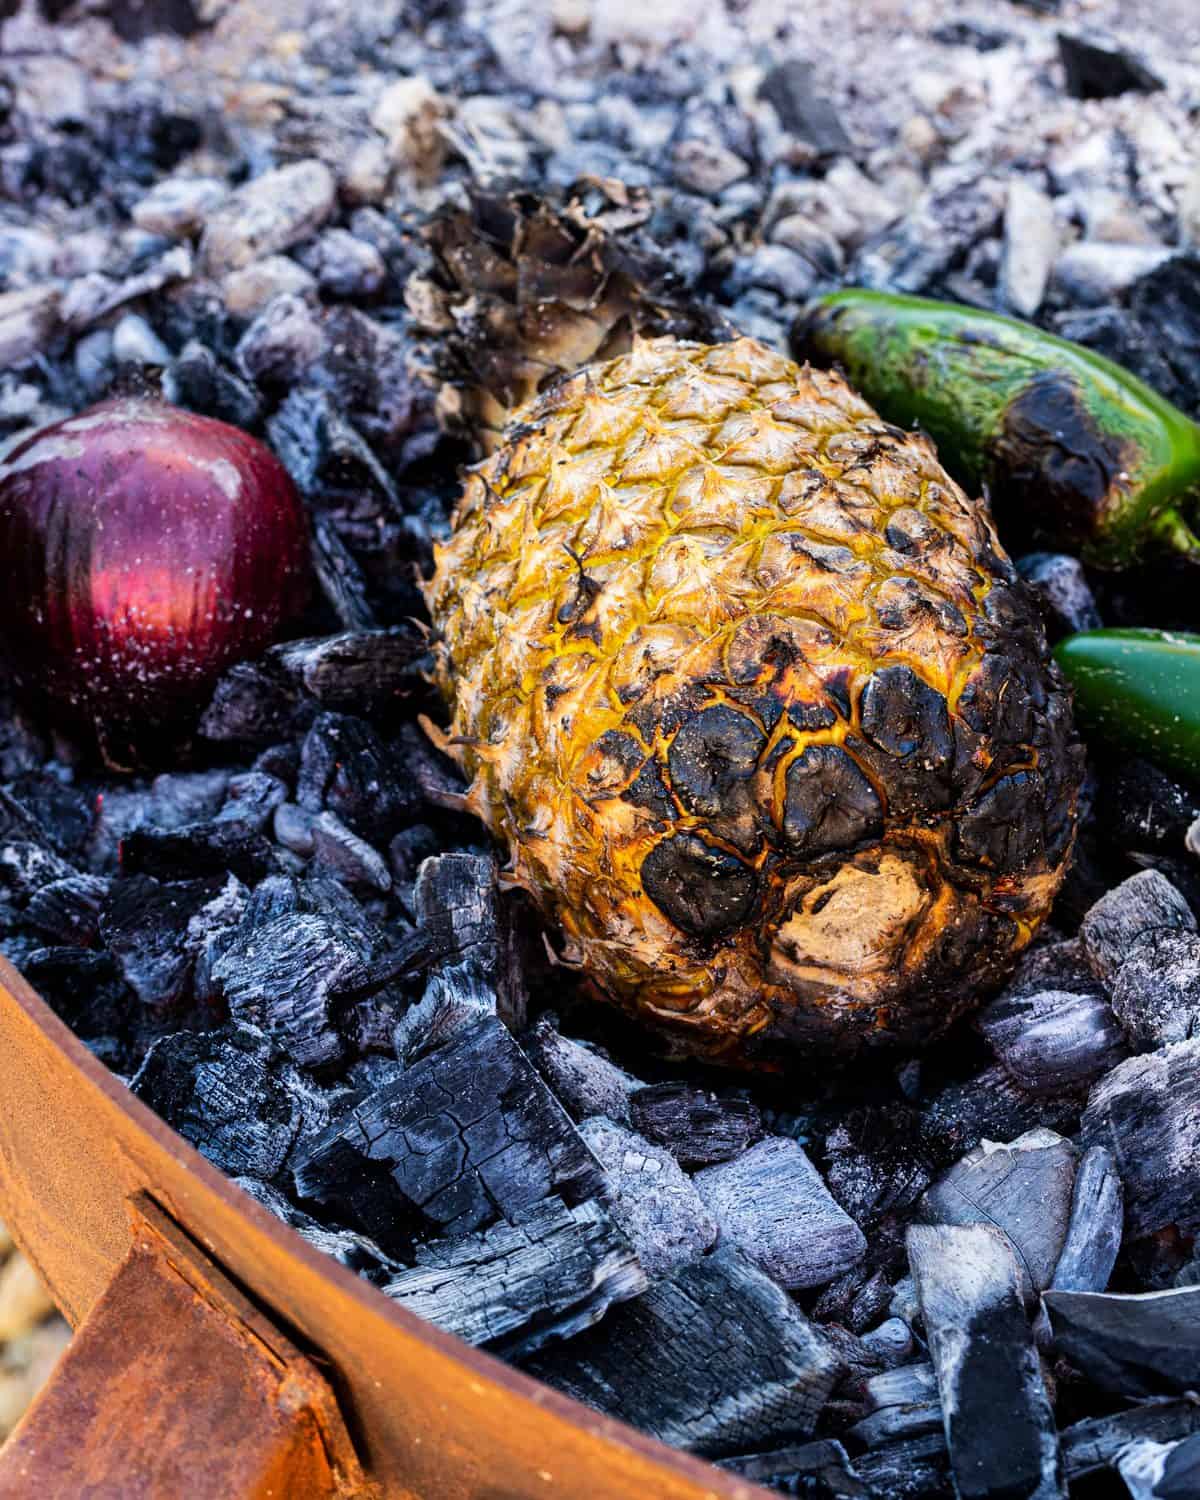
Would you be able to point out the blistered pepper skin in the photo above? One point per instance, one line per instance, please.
(1073, 450)
(1138, 691)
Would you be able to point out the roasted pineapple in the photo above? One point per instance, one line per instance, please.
(752, 694)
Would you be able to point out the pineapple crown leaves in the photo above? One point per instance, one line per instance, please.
(522, 290)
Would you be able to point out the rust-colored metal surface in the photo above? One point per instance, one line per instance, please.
(431, 1418)
(220, 1401)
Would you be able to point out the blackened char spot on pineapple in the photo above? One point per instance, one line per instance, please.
(995, 703)
(829, 803)
(765, 641)
(616, 758)
(1003, 829)
(704, 891)
(907, 718)
(712, 758)
(1052, 471)
(649, 790)
(812, 716)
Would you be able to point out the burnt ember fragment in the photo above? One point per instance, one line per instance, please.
(698, 1128)
(992, 1107)
(1156, 991)
(1145, 809)
(1023, 1189)
(584, 1079)
(517, 1286)
(998, 1421)
(196, 850)
(338, 849)
(702, 889)
(1096, 1443)
(468, 1135)
(819, 1468)
(279, 975)
(904, 1403)
(222, 1092)
(1051, 1040)
(364, 672)
(651, 1199)
(349, 769)
(1147, 1113)
(716, 1360)
(1141, 1345)
(349, 1249)
(1097, 68)
(144, 925)
(912, 1469)
(771, 1202)
(1146, 902)
(1093, 1239)
(68, 910)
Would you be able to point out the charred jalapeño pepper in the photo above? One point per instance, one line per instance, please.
(1073, 450)
(1138, 690)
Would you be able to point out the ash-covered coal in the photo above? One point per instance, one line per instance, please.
(967, 1272)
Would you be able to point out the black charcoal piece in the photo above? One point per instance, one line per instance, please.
(280, 976)
(69, 910)
(144, 925)
(251, 799)
(457, 904)
(1145, 809)
(196, 850)
(912, 1469)
(817, 1469)
(347, 768)
(254, 704)
(998, 1421)
(1051, 1040)
(903, 1403)
(28, 865)
(698, 1128)
(892, 1342)
(1098, 68)
(292, 826)
(1146, 902)
(1024, 1189)
(715, 1360)
(344, 1245)
(221, 1092)
(1062, 589)
(340, 577)
(1094, 1232)
(585, 1081)
(468, 1135)
(1147, 1113)
(803, 111)
(1156, 991)
(771, 1202)
(337, 849)
(652, 1200)
(1146, 1344)
(992, 1107)
(1095, 1443)
(516, 1287)
(365, 671)
(875, 1163)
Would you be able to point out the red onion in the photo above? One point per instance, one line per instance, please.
(145, 550)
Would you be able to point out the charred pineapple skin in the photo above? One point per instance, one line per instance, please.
(752, 694)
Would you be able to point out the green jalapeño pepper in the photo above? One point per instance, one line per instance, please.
(1072, 450)
(1138, 690)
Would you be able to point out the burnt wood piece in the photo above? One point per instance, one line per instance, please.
(992, 1107)
(1024, 1189)
(1147, 1113)
(904, 1403)
(144, 925)
(458, 907)
(1093, 1239)
(915, 1469)
(363, 671)
(349, 769)
(586, 1081)
(1048, 1041)
(1141, 1345)
(716, 1360)
(772, 1203)
(68, 910)
(998, 1421)
(818, 1469)
(652, 1200)
(222, 1092)
(353, 1250)
(514, 1287)
(1093, 1444)
(1146, 902)
(197, 850)
(468, 1135)
(698, 1128)
(255, 705)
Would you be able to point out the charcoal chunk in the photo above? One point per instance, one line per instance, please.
(1146, 902)
(912, 1469)
(702, 889)
(903, 1403)
(802, 111)
(1145, 809)
(1023, 1189)
(1050, 1040)
(1147, 1113)
(820, 1468)
(715, 1360)
(352, 859)
(1142, 1345)
(364, 671)
(829, 804)
(1096, 1442)
(251, 799)
(1062, 589)
(468, 1135)
(585, 1080)
(1097, 68)
(348, 769)
(345, 1246)
(196, 850)
(771, 1202)
(280, 976)
(998, 1422)
(144, 925)
(515, 1287)
(1156, 991)
(698, 1128)
(1093, 1239)
(651, 1199)
(68, 910)
(222, 1094)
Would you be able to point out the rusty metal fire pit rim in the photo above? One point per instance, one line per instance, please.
(487, 1367)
